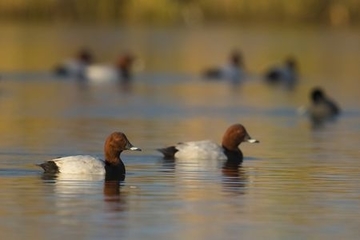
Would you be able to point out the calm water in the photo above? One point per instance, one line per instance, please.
(298, 183)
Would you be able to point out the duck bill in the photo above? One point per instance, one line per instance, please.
(130, 147)
(135, 149)
(250, 140)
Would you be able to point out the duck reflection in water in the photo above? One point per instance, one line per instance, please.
(233, 175)
(168, 164)
(76, 185)
(113, 196)
(234, 178)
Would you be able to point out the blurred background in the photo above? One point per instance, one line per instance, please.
(36, 34)
(174, 41)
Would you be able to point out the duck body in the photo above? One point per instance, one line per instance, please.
(112, 167)
(83, 68)
(280, 74)
(286, 74)
(99, 74)
(93, 74)
(322, 108)
(205, 149)
(80, 164)
(71, 68)
(75, 67)
(233, 71)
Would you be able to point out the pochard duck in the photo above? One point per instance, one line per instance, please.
(112, 167)
(121, 72)
(286, 74)
(233, 71)
(82, 68)
(208, 150)
(322, 108)
(76, 67)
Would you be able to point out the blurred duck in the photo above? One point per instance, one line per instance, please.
(120, 72)
(83, 68)
(322, 108)
(206, 150)
(75, 68)
(112, 167)
(286, 74)
(233, 71)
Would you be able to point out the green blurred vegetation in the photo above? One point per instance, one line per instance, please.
(331, 12)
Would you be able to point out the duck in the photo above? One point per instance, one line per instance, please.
(121, 72)
(233, 71)
(207, 150)
(75, 67)
(322, 108)
(286, 74)
(83, 69)
(112, 167)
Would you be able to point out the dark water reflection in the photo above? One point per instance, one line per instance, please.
(297, 183)
(234, 180)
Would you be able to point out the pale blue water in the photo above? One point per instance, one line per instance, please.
(298, 183)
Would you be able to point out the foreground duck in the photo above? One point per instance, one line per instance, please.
(112, 167)
(207, 150)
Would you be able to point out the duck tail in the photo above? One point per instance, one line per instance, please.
(168, 152)
(49, 167)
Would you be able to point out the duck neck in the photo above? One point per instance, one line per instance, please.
(231, 145)
(118, 163)
(113, 158)
(115, 162)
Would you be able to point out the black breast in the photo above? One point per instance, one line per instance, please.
(234, 158)
(114, 172)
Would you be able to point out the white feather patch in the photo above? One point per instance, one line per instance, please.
(205, 150)
(80, 164)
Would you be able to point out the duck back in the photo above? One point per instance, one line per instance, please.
(206, 150)
(81, 164)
